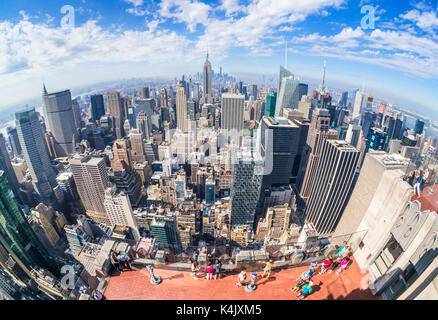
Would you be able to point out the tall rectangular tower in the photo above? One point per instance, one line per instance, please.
(232, 118)
(91, 180)
(331, 186)
(115, 109)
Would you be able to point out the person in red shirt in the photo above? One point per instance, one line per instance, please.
(326, 265)
(209, 271)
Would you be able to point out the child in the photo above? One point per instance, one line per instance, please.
(268, 268)
(209, 271)
(306, 291)
(325, 265)
(298, 285)
(241, 278)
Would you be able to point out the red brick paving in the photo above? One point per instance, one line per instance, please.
(135, 285)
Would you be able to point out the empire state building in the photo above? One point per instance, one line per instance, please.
(207, 80)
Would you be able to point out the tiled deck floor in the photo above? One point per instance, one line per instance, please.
(134, 285)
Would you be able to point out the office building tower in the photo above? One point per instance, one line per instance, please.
(6, 167)
(164, 230)
(59, 118)
(137, 146)
(319, 131)
(247, 172)
(288, 95)
(142, 124)
(35, 153)
(368, 119)
(67, 185)
(132, 117)
(419, 127)
(271, 101)
(377, 140)
(145, 93)
(303, 90)
(163, 98)
(375, 183)
(331, 186)
(115, 110)
(122, 157)
(182, 119)
(276, 222)
(360, 103)
(97, 107)
(119, 210)
(210, 197)
(91, 179)
(278, 146)
(354, 133)
(14, 141)
(168, 190)
(16, 235)
(207, 82)
(344, 99)
(232, 118)
(130, 183)
(77, 116)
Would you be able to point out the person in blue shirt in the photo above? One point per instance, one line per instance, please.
(124, 261)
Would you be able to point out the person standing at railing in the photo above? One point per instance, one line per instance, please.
(268, 268)
(217, 269)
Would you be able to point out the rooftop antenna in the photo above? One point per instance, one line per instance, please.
(323, 76)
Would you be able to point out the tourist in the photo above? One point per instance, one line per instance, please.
(326, 265)
(298, 285)
(114, 262)
(417, 186)
(217, 269)
(306, 290)
(335, 265)
(195, 255)
(209, 271)
(241, 278)
(195, 269)
(347, 252)
(344, 264)
(268, 268)
(97, 295)
(124, 261)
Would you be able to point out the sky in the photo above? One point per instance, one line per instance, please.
(119, 39)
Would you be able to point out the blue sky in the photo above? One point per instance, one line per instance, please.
(114, 39)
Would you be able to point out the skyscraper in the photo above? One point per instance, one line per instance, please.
(207, 82)
(59, 117)
(319, 131)
(271, 101)
(182, 119)
(279, 143)
(97, 107)
(14, 141)
(419, 127)
(331, 186)
(303, 90)
(119, 210)
(232, 117)
(115, 110)
(344, 99)
(6, 166)
(17, 237)
(91, 180)
(247, 172)
(359, 104)
(35, 153)
(288, 93)
(145, 92)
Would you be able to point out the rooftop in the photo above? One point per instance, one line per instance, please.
(135, 285)
(428, 201)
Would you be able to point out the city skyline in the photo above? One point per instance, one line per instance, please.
(172, 37)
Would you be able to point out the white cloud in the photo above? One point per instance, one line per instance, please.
(427, 21)
(398, 50)
(135, 3)
(191, 12)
